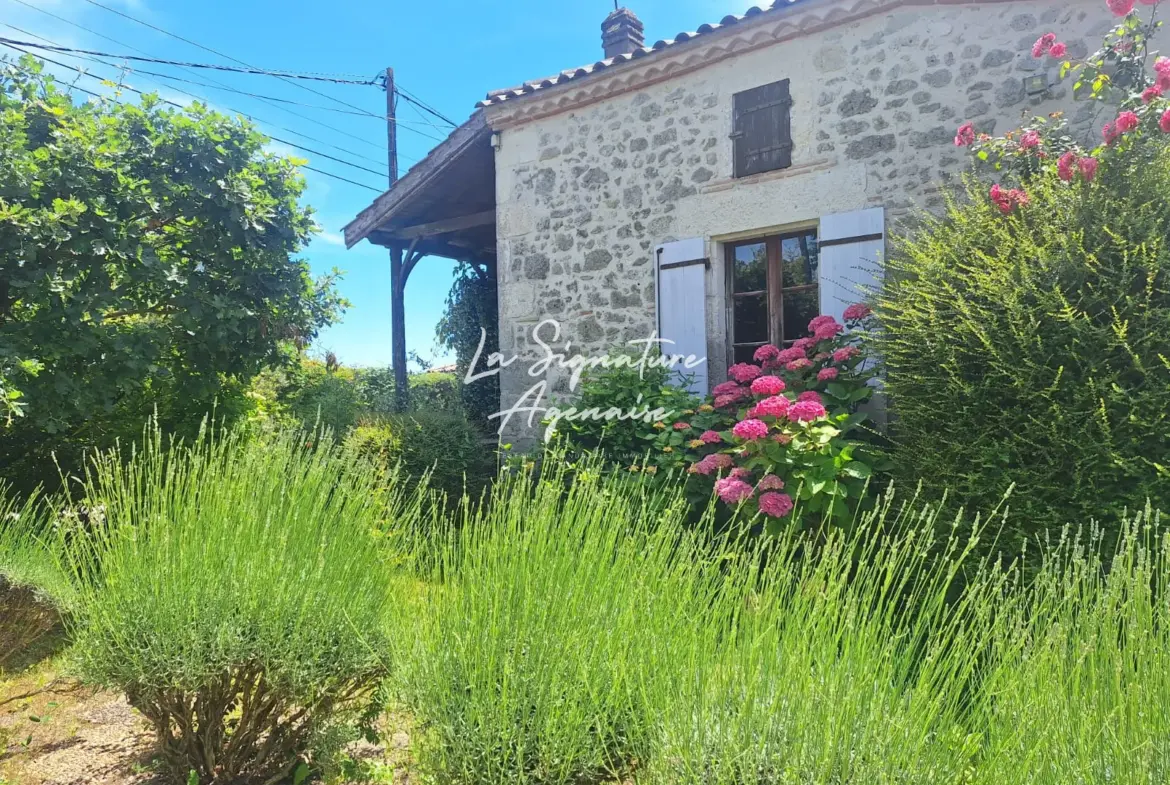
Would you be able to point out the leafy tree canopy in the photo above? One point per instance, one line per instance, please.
(144, 252)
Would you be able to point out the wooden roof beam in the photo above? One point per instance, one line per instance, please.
(445, 226)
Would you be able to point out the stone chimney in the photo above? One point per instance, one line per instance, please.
(622, 33)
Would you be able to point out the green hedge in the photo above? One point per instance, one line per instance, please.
(1034, 349)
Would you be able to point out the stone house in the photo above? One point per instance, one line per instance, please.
(721, 188)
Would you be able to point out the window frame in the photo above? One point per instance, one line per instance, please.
(775, 290)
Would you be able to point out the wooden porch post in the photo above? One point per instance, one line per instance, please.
(398, 329)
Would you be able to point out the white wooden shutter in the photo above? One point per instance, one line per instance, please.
(852, 247)
(681, 300)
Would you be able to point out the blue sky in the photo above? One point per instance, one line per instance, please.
(447, 52)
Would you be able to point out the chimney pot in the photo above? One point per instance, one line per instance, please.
(622, 33)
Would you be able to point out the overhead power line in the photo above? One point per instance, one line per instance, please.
(217, 53)
(198, 97)
(263, 99)
(180, 64)
(180, 106)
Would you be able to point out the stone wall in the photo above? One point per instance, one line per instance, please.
(586, 194)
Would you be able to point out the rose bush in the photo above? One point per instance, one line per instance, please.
(779, 435)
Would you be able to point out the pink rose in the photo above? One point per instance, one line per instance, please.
(770, 482)
(768, 385)
(744, 372)
(750, 430)
(1126, 121)
(776, 406)
(1058, 50)
(766, 354)
(1088, 166)
(1150, 93)
(733, 490)
(776, 505)
(827, 374)
(806, 411)
(1029, 140)
(1164, 122)
(710, 437)
(1066, 166)
(1042, 45)
(1120, 7)
(1110, 133)
(856, 312)
(965, 136)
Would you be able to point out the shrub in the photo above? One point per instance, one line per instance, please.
(780, 436)
(443, 445)
(236, 595)
(34, 589)
(308, 393)
(1027, 331)
(523, 665)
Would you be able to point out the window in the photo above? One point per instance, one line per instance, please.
(773, 290)
(763, 129)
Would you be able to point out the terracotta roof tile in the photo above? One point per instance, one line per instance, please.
(573, 74)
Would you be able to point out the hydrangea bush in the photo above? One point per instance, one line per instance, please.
(779, 435)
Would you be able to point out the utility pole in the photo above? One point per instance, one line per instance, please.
(397, 280)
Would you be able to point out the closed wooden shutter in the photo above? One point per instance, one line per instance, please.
(763, 129)
(681, 298)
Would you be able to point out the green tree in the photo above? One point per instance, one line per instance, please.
(147, 261)
(472, 317)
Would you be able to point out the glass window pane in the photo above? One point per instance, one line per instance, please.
(751, 319)
(799, 256)
(800, 308)
(751, 267)
(745, 354)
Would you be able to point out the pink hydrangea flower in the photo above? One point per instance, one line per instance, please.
(770, 482)
(827, 374)
(1058, 50)
(1120, 7)
(796, 366)
(845, 354)
(965, 136)
(788, 355)
(726, 388)
(744, 372)
(776, 406)
(804, 344)
(819, 322)
(733, 490)
(740, 473)
(713, 463)
(768, 385)
(1109, 133)
(782, 438)
(1043, 44)
(682, 426)
(1164, 122)
(767, 353)
(776, 505)
(829, 330)
(1066, 166)
(856, 312)
(1126, 122)
(1029, 140)
(1088, 166)
(725, 401)
(710, 437)
(810, 395)
(750, 430)
(806, 411)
